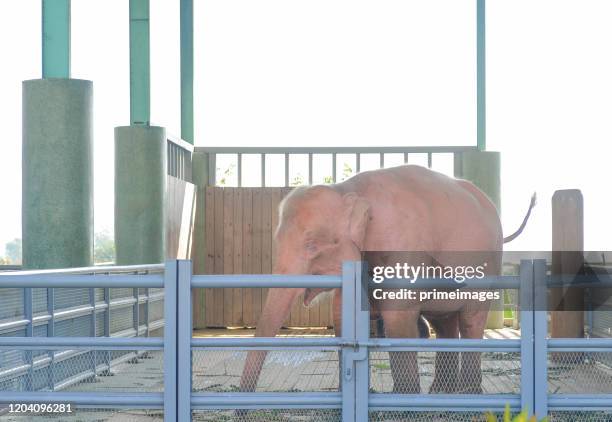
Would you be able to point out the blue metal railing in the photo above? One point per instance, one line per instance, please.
(55, 368)
(354, 399)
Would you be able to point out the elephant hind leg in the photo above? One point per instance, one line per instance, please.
(447, 363)
(471, 325)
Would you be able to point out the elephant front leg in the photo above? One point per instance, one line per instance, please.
(446, 369)
(404, 365)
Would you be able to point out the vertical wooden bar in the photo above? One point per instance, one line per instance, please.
(405, 158)
(209, 266)
(237, 314)
(256, 249)
(219, 264)
(247, 260)
(266, 241)
(567, 319)
(276, 197)
(381, 160)
(357, 162)
(228, 253)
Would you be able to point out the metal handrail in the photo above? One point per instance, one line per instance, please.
(336, 150)
(212, 153)
(96, 269)
(179, 142)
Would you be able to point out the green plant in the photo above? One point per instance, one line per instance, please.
(521, 417)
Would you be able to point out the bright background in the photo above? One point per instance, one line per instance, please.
(337, 73)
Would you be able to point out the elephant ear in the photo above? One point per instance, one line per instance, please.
(358, 211)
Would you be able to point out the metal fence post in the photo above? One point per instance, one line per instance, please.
(184, 335)
(362, 331)
(527, 331)
(136, 311)
(107, 330)
(51, 333)
(540, 336)
(170, 340)
(29, 332)
(146, 312)
(92, 329)
(347, 375)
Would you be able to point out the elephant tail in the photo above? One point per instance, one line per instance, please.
(524, 223)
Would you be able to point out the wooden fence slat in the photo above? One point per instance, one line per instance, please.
(228, 252)
(219, 267)
(247, 258)
(266, 239)
(210, 252)
(237, 311)
(256, 264)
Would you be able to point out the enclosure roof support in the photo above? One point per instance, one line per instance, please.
(56, 38)
(140, 66)
(187, 70)
(481, 97)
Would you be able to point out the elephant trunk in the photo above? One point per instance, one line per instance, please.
(275, 312)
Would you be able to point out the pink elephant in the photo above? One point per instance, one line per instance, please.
(407, 208)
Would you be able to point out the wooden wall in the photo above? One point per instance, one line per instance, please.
(234, 235)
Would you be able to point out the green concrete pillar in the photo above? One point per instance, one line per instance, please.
(140, 191)
(483, 169)
(57, 176)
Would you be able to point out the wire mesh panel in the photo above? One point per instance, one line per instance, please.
(272, 415)
(580, 415)
(283, 371)
(86, 371)
(441, 416)
(580, 373)
(443, 372)
(94, 415)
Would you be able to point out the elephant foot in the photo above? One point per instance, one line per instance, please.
(443, 387)
(470, 389)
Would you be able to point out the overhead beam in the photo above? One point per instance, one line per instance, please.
(481, 85)
(56, 38)
(187, 70)
(140, 63)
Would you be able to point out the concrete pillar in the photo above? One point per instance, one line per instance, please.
(483, 169)
(57, 176)
(140, 191)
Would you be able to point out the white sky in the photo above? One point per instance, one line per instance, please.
(338, 72)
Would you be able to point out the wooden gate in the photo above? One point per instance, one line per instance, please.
(234, 235)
